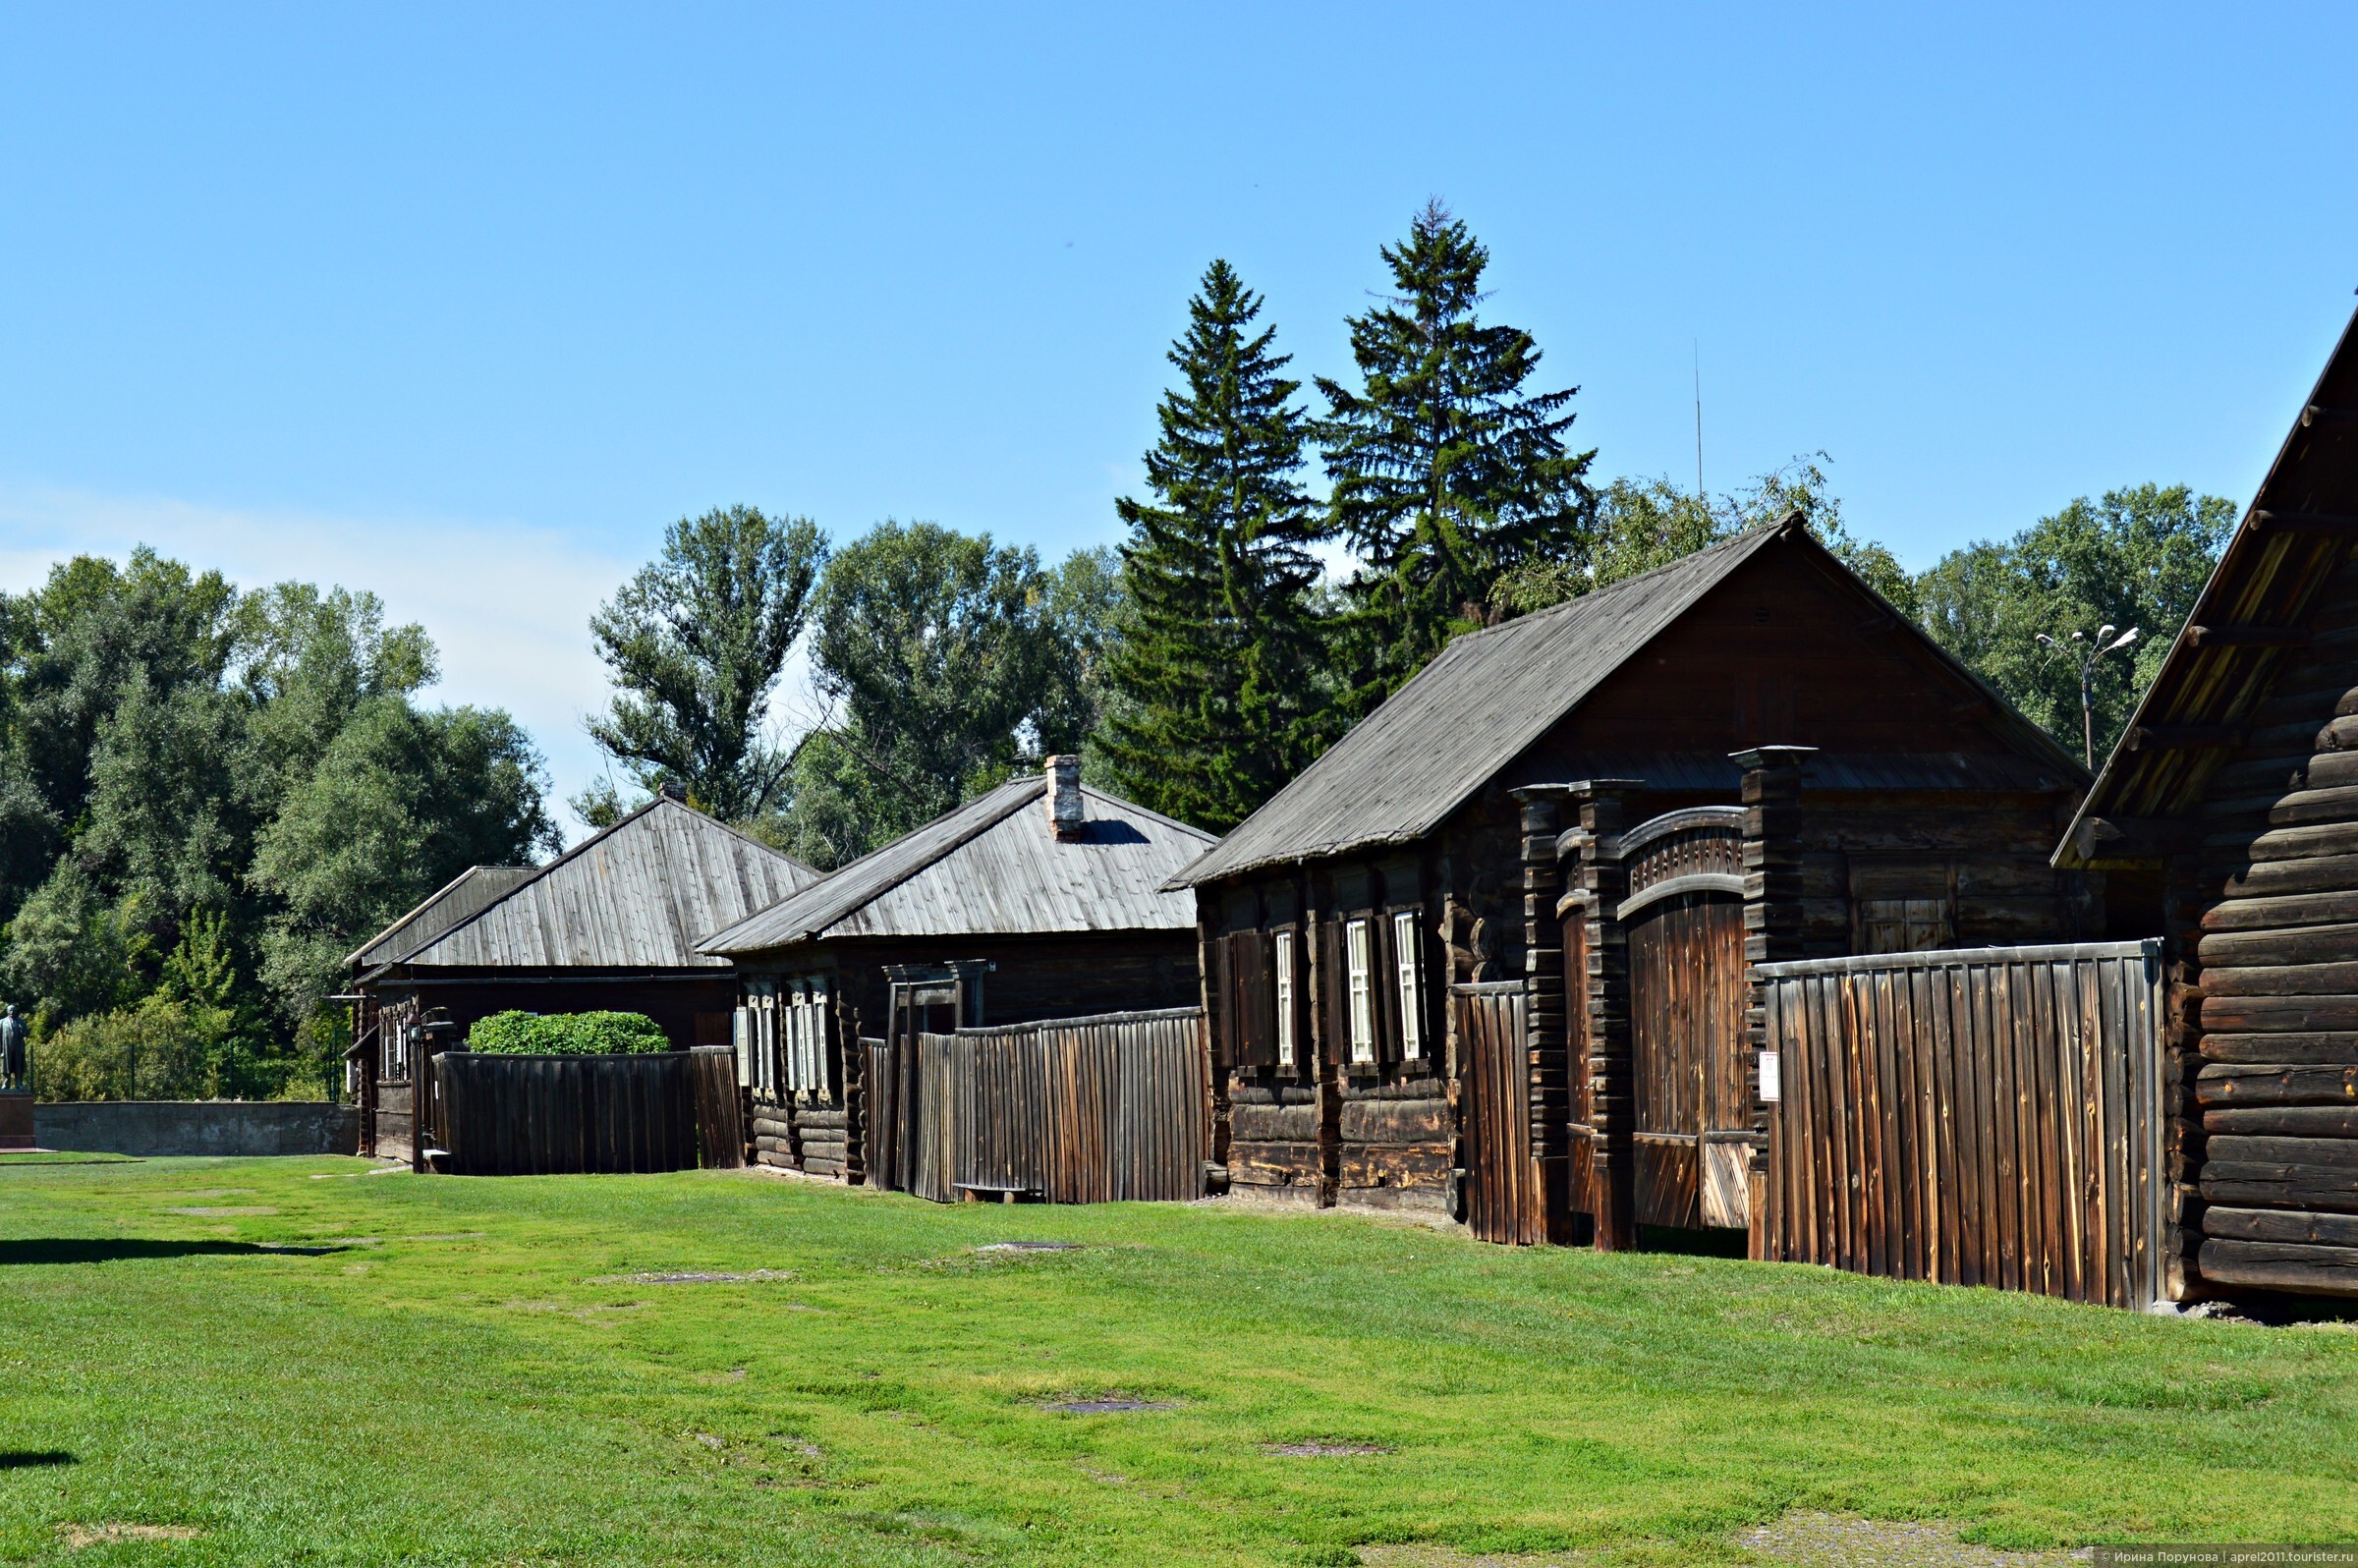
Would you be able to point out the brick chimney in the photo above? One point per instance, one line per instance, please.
(1065, 813)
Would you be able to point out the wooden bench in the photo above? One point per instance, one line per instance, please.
(988, 1192)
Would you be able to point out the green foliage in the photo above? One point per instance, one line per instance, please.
(166, 1047)
(1447, 472)
(566, 1035)
(947, 662)
(697, 641)
(1220, 694)
(208, 796)
(2137, 557)
(402, 802)
(1642, 525)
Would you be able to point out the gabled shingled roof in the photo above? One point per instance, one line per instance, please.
(465, 894)
(635, 896)
(2220, 666)
(993, 867)
(1491, 694)
(1485, 697)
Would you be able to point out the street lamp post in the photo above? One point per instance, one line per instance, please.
(2104, 642)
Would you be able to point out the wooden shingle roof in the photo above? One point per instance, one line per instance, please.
(995, 867)
(465, 894)
(1489, 696)
(2252, 616)
(635, 896)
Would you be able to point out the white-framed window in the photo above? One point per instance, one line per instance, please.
(1359, 941)
(1411, 956)
(1285, 998)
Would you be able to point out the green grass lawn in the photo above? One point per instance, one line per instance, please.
(298, 1361)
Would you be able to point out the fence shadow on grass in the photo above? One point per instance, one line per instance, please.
(1693, 1243)
(114, 1250)
(35, 1458)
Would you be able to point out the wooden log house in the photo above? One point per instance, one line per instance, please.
(608, 925)
(1430, 892)
(1042, 899)
(2236, 784)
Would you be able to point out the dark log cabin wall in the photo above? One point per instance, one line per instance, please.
(1329, 1109)
(2235, 785)
(1930, 821)
(2268, 907)
(1054, 975)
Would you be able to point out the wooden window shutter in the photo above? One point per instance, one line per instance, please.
(1363, 990)
(1407, 975)
(1334, 993)
(1258, 969)
(1286, 972)
(1218, 996)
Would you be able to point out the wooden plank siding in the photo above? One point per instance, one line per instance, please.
(1092, 1110)
(1987, 1116)
(545, 1115)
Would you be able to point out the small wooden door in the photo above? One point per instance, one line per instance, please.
(1505, 1200)
(1684, 919)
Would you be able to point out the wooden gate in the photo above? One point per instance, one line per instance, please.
(1505, 1200)
(1684, 919)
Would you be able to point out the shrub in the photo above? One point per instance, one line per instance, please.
(566, 1035)
(153, 1051)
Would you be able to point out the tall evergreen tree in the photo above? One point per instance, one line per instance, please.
(1216, 696)
(1446, 472)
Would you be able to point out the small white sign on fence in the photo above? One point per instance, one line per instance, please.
(1771, 1079)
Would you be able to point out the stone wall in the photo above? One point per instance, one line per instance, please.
(199, 1126)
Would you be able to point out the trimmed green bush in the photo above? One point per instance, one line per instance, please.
(566, 1035)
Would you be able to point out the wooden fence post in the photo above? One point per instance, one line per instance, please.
(1545, 1035)
(1612, 1090)
(1772, 935)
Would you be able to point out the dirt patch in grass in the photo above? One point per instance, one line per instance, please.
(1829, 1540)
(1322, 1450)
(77, 1536)
(1110, 1406)
(1028, 1247)
(693, 1278)
(249, 1211)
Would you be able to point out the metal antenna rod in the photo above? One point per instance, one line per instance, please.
(1699, 421)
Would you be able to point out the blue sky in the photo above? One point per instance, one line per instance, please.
(465, 304)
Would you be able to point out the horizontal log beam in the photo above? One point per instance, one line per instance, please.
(2248, 636)
(2343, 525)
(2292, 1121)
(2282, 1225)
(2281, 1265)
(2316, 414)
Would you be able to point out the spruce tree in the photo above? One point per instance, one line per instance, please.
(1215, 691)
(1445, 472)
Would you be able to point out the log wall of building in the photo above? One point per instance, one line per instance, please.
(2264, 948)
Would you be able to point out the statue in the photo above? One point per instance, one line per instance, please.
(15, 1072)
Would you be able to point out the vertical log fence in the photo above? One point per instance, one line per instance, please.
(1087, 1110)
(499, 1116)
(1989, 1116)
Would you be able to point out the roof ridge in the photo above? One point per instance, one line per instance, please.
(424, 904)
(1618, 584)
(1019, 793)
(1128, 805)
(1722, 556)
